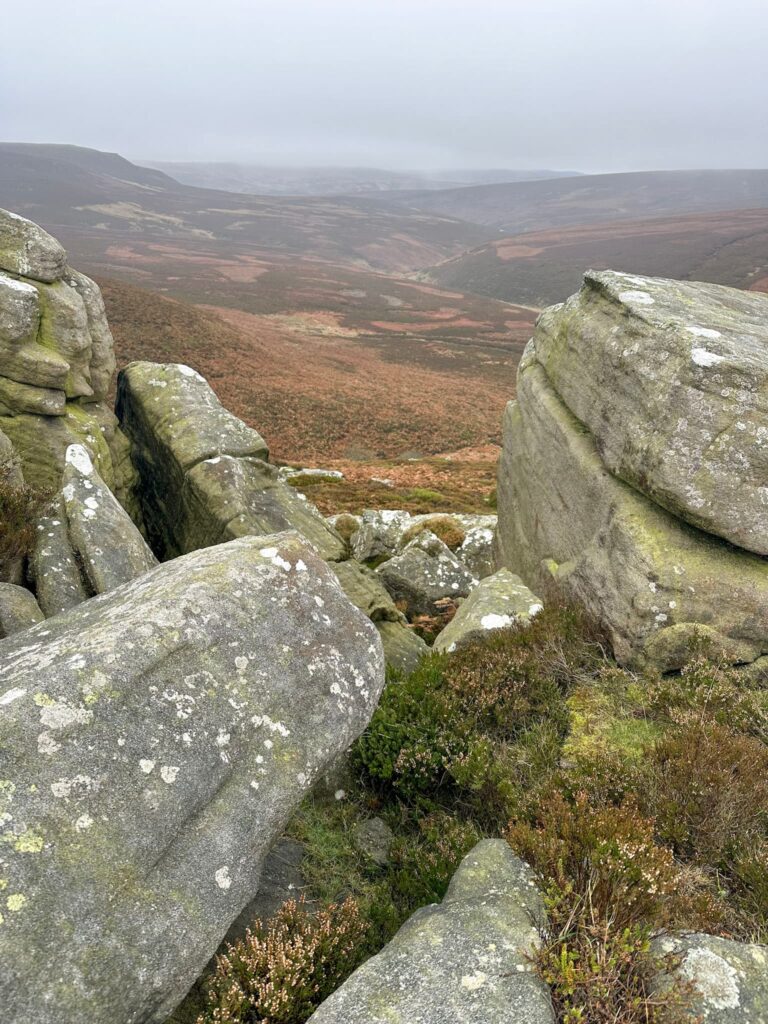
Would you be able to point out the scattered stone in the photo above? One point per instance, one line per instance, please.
(426, 572)
(379, 533)
(203, 478)
(374, 838)
(464, 961)
(403, 648)
(496, 602)
(153, 742)
(365, 590)
(671, 379)
(18, 609)
(730, 979)
(291, 472)
(651, 579)
(476, 550)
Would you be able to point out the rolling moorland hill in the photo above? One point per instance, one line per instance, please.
(595, 198)
(540, 267)
(83, 194)
(326, 181)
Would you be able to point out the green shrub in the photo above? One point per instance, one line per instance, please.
(281, 971)
(423, 865)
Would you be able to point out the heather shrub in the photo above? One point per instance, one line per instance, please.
(282, 970)
(461, 725)
(423, 865)
(345, 526)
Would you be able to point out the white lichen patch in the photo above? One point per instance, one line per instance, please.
(637, 297)
(714, 977)
(146, 765)
(83, 823)
(77, 457)
(703, 357)
(11, 695)
(222, 877)
(702, 332)
(474, 981)
(60, 715)
(495, 621)
(169, 773)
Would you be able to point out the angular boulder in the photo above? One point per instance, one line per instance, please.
(379, 533)
(18, 609)
(476, 550)
(153, 743)
(88, 544)
(497, 602)
(651, 579)
(671, 379)
(203, 475)
(29, 251)
(426, 572)
(729, 980)
(464, 961)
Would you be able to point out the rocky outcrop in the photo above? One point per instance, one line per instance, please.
(203, 475)
(18, 610)
(425, 573)
(153, 742)
(464, 961)
(497, 602)
(651, 578)
(56, 360)
(671, 380)
(88, 544)
(728, 980)
(382, 533)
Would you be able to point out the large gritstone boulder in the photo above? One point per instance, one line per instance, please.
(203, 474)
(153, 743)
(87, 544)
(652, 579)
(497, 602)
(464, 961)
(671, 379)
(56, 360)
(729, 980)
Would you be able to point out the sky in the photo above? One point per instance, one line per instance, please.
(584, 85)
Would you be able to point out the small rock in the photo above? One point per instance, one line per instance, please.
(426, 572)
(374, 839)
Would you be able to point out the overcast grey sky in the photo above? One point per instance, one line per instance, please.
(580, 84)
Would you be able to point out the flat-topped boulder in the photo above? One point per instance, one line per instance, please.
(153, 743)
(29, 251)
(203, 473)
(650, 578)
(463, 961)
(671, 379)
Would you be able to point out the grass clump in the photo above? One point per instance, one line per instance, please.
(448, 529)
(281, 971)
(20, 508)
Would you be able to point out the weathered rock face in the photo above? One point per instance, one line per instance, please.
(496, 602)
(18, 610)
(365, 590)
(426, 572)
(153, 742)
(651, 578)
(56, 359)
(730, 979)
(203, 478)
(88, 544)
(671, 379)
(464, 961)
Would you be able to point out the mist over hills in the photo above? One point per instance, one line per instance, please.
(325, 181)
